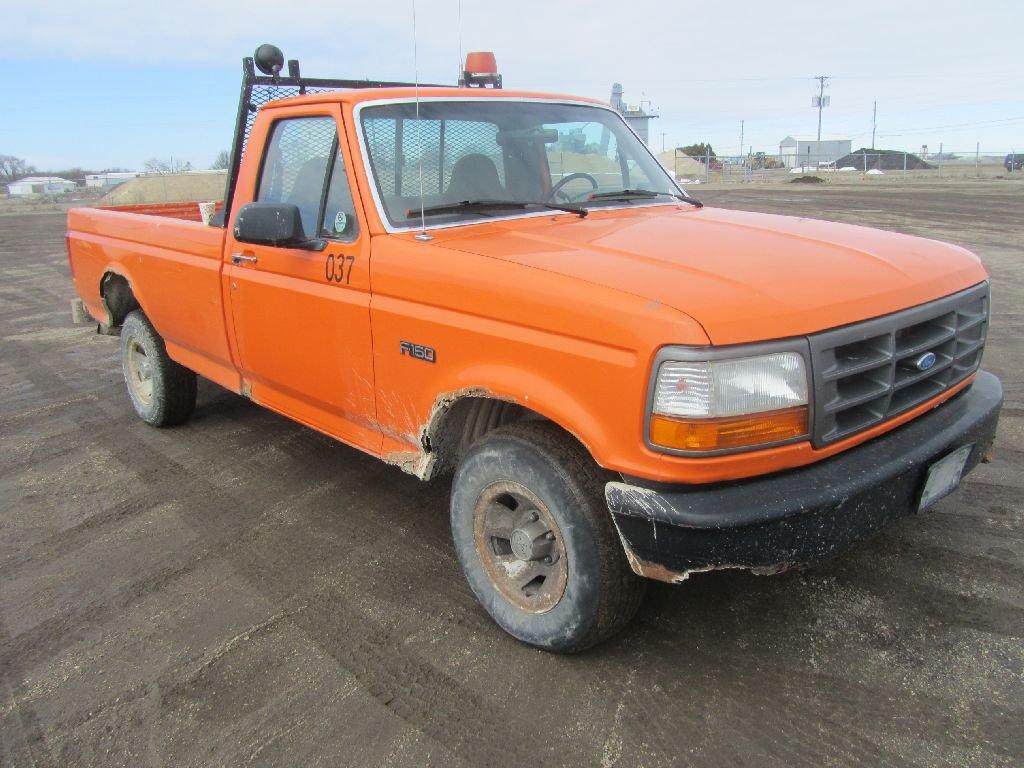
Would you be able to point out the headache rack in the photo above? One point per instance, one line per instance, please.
(258, 89)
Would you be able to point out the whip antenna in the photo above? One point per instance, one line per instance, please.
(419, 129)
(459, 27)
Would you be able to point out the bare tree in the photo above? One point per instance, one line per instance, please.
(157, 166)
(154, 165)
(12, 167)
(222, 161)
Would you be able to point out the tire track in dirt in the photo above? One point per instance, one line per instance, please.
(413, 689)
(777, 715)
(22, 740)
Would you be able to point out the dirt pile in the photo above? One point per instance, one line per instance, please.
(882, 160)
(682, 165)
(167, 188)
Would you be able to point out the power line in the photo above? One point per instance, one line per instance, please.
(766, 78)
(903, 131)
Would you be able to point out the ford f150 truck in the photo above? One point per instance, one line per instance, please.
(509, 288)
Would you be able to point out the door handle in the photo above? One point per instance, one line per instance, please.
(238, 258)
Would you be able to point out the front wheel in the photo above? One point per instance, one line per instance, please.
(162, 391)
(535, 539)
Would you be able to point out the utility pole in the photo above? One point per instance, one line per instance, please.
(741, 138)
(663, 135)
(821, 103)
(874, 123)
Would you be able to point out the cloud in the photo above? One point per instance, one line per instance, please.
(544, 40)
(703, 66)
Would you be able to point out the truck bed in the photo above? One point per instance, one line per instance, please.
(188, 210)
(173, 264)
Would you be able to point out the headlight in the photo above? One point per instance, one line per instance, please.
(725, 404)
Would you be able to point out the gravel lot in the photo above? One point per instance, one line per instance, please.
(242, 590)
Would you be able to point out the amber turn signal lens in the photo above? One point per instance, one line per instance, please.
(730, 432)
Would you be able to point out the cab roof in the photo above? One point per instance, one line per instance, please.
(360, 95)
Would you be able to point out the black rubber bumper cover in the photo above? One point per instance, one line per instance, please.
(802, 515)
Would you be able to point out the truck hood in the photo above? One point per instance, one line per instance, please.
(742, 276)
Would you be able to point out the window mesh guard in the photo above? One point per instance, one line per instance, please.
(261, 94)
(439, 144)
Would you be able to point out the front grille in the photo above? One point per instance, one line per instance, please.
(865, 373)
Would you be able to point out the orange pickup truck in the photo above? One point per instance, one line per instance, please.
(509, 288)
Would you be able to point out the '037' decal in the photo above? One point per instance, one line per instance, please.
(335, 270)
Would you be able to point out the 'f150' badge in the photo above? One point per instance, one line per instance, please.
(427, 354)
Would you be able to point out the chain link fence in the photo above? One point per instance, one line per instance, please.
(861, 164)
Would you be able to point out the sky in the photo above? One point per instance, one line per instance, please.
(111, 84)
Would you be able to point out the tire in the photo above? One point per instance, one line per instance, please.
(526, 481)
(162, 391)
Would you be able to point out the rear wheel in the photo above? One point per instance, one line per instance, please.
(536, 541)
(162, 391)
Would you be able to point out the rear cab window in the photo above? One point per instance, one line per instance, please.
(458, 159)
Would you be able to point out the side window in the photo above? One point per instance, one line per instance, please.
(295, 165)
(339, 212)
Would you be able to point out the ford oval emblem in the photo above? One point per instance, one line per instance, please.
(925, 361)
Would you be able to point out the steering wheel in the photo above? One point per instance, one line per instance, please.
(557, 188)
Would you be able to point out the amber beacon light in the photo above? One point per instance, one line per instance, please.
(481, 71)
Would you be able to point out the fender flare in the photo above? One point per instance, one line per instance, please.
(535, 394)
(115, 314)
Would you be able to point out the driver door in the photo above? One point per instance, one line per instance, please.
(300, 316)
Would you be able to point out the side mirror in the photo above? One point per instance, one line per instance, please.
(272, 224)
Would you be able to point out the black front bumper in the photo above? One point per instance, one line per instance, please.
(802, 515)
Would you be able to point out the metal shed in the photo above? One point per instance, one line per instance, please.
(805, 151)
(39, 185)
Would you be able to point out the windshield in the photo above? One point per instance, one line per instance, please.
(489, 150)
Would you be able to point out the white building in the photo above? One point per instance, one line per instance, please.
(110, 180)
(805, 151)
(39, 185)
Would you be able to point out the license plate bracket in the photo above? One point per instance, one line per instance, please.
(944, 476)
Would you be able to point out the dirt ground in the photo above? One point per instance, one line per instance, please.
(241, 590)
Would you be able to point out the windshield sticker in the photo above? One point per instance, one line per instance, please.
(340, 221)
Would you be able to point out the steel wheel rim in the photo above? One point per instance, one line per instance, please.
(520, 547)
(140, 372)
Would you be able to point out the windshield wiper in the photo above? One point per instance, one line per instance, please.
(643, 194)
(480, 206)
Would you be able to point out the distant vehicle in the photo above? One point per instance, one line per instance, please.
(1014, 161)
(621, 381)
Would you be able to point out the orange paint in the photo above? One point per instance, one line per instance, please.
(559, 314)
